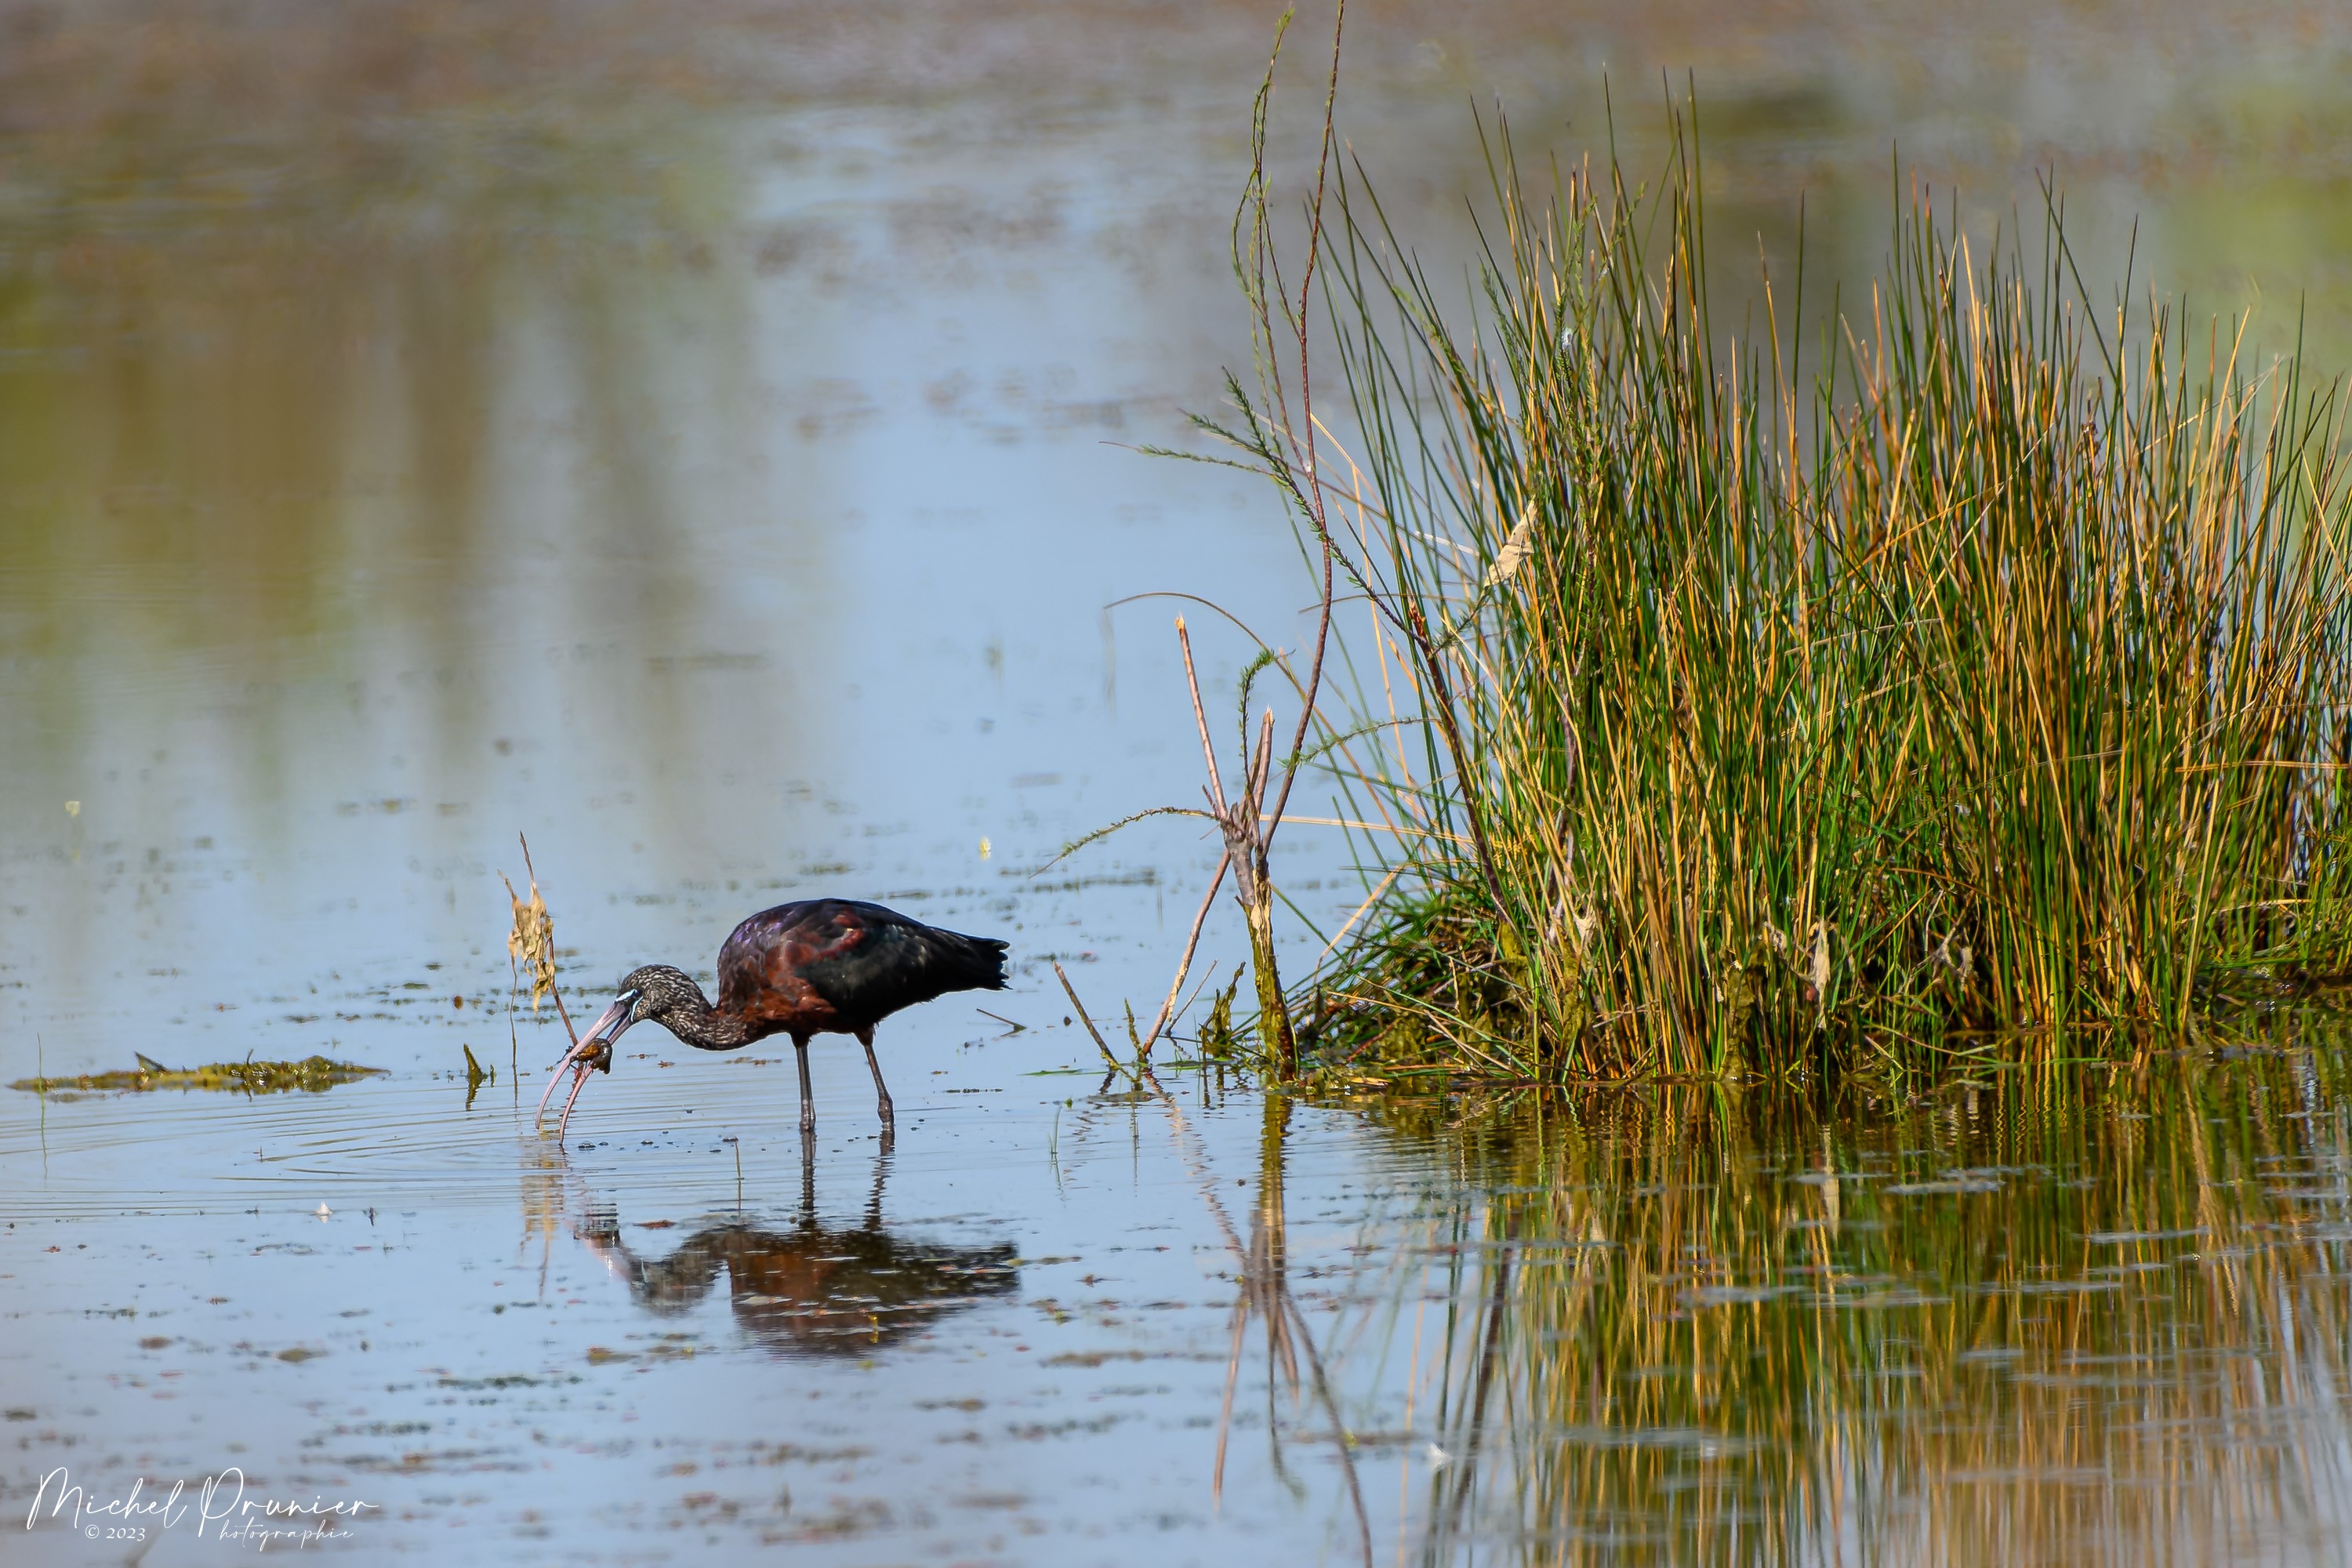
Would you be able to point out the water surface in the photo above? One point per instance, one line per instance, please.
(701, 439)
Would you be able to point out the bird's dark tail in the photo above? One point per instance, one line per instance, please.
(977, 962)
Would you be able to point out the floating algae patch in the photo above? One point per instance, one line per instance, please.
(312, 1074)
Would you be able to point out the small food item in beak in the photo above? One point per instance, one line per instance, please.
(593, 1052)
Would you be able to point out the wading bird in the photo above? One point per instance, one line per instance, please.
(826, 967)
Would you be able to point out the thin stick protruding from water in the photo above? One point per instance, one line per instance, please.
(1184, 964)
(1072, 993)
(553, 990)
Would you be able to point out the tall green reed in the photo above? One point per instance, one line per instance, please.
(1981, 678)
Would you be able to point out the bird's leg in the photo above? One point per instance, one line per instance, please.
(866, 1038)
(808, 1105)
(874, 1199)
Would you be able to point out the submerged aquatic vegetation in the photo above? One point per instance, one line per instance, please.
(1980, 678)
(312, 1075)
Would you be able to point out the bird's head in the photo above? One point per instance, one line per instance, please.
(656, 992)
(652, 991)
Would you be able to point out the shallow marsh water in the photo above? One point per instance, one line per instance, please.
(698, 447)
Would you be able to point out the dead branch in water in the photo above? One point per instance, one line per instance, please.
(1278, 430)
(1184, 964)
(532, 942)
(1071, 992)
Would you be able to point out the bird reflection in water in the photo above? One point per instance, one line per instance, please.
(811, 1288)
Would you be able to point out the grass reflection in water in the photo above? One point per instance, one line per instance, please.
(2079, 1316)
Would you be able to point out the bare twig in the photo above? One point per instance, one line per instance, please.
(545, 933)
(1200, 717)
(1184, 964)
(1313, 486)
(1245, 853)
(1282, 436)
(1071, 992)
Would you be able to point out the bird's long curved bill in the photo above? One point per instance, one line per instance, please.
(615, 1018)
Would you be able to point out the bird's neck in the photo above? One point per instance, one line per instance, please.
(698, 1023)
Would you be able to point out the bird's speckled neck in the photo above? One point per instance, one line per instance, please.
(687, 1014)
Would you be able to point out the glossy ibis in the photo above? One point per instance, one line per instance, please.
(822, 966)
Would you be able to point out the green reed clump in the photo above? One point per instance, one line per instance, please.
(1986, 675)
